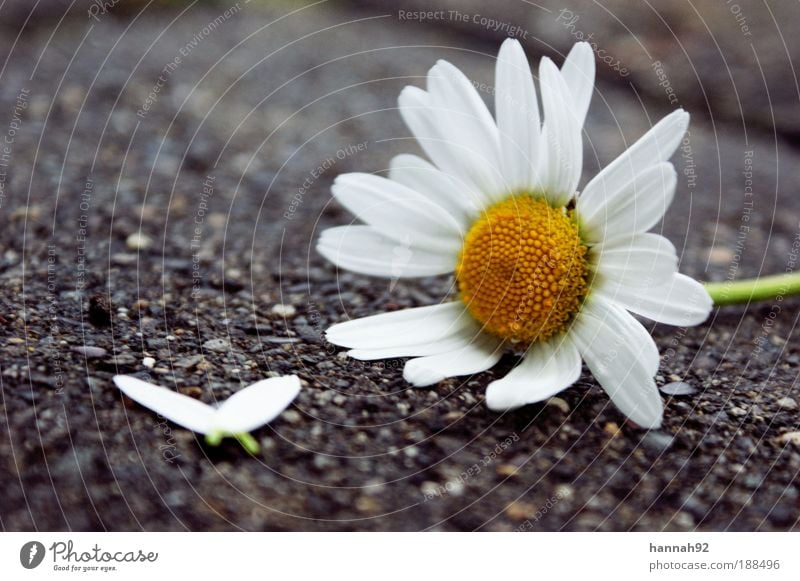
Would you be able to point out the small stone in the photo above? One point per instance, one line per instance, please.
(658, 441)
(787, 403)
(292, 416)
(564, 491)
(520, 511)
(612, 429)
(506, 470)
(149, 362)
(790, 438)
(367, 504)
(677, 388)
(99, 311)
(90, 352)
(138, 241)
(411, 451)
(339, 399)
(282, 310)
(737, 412)
(216, 345)
(15, 340)
(559, 403)
(191, 391)
(322, 462)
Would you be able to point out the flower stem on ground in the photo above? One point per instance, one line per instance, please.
(775, 287)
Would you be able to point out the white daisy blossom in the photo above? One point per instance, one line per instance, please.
(243, 412)
(540, 267)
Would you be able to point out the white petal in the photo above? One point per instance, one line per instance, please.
(634, 208)
(562, 151)
(478, 355)
(407, 327)
(397, 211)
(547, 368)
(578, 72)
(447, 191)
(362, 249)
(639, 261)
(176, 407)
(517, 117)
(617, 357)
(654, 147)
(678, 301)
(416, 109)
(256, 404)
(466, 124)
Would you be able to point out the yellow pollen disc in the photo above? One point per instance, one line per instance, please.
(522, 270)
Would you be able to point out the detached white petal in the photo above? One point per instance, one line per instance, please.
(256, 404)
(243, 412)
(181, 409)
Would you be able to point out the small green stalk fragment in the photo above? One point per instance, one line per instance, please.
(214, 438)
(247, 441)
(774, 287)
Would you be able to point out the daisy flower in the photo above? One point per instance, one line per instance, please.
(540, 268)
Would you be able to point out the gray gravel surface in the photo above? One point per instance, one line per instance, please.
(164, 208)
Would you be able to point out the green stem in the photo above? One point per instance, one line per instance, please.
(248, 442)
(777, 286)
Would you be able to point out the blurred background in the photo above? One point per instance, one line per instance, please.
(165, 169)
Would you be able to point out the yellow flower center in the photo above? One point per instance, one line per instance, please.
(522, 270)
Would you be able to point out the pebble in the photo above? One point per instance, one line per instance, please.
(191, 391)
(612, 429)
(292, 416)
(282, 310)
(658, 441)
(559, 403)
(787, 403)
(520, 511)
(138, 241)
(737, 412)
(506, 470)
(216, 345)
(678, 388)
(790, 438)
(90, 352)
(149, 362)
